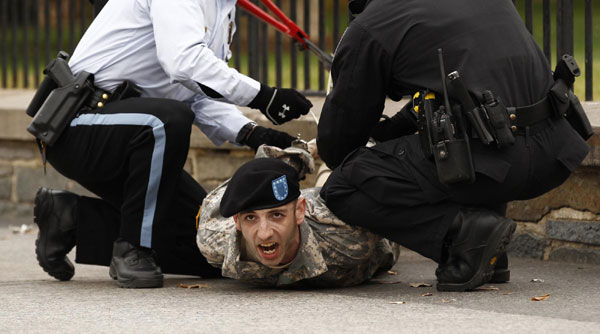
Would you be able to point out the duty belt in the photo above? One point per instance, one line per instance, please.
(97, 99)
(524, 116)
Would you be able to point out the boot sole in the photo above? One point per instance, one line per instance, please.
(500, 276)
(61, 275)
(139, 283)
(135, 283)
(498, 242)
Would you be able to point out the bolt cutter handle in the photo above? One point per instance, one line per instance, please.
(286, 26)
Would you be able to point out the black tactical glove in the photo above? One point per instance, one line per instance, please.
(255, 135)
(401, 124)
(280, 104)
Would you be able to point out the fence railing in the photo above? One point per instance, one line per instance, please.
(33, 31)
(565, 13)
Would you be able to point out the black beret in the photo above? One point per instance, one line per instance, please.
(261, 183)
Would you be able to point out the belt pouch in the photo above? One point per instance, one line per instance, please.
(453, 161)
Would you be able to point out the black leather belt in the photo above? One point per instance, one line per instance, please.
(524, 116)
(99, 98)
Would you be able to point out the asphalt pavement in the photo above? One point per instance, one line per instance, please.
(33, 302)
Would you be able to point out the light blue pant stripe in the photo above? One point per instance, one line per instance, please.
(156, 165)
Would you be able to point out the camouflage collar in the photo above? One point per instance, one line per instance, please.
(308, 263)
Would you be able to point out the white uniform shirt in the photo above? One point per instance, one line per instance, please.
(167, 47)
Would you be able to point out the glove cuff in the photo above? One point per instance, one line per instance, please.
(262, 99)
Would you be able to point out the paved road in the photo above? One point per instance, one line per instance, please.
(32, 302)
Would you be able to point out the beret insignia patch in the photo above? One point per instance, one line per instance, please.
(280, 188)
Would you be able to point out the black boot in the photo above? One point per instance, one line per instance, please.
(55, 214)
(501, 271)
(134, 267)
(477, 238)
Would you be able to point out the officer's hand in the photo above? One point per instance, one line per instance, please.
(280, 104)
(402, 123)
(313, 149)
(261, 135)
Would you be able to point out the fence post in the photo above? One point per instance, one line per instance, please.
(307, 52)
(15, 47)
(3, 38)
(546, 22)
(36, 44)
(564, 27)
(589, 60)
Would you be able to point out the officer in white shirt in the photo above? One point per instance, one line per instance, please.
(130, 152)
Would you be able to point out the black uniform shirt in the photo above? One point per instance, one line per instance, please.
(390, 49)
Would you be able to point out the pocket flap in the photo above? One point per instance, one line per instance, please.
(492, 167)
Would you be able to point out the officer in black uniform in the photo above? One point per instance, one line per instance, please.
(393, 188)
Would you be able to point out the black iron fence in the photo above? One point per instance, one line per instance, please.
(33, 31)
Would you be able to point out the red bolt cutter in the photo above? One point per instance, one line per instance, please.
(286, 26)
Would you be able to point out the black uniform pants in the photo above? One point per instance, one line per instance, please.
(131, 154)
(394, 191)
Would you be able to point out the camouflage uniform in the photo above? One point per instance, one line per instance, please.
(331, 253)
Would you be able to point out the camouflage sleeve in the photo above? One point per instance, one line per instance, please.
(317, 211)
(213, 229)
(296, 157)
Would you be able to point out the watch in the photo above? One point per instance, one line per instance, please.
(245, 132)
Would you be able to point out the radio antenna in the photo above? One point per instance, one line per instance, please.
(443, 74)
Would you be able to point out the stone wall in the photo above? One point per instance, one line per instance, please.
(563, 224)
(22, 173)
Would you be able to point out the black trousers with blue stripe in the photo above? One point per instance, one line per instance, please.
(131, 154)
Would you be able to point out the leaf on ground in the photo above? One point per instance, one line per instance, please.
(192, 286)
(402, 302)
(392, 272)
(420, 285)
(487, 288)
(427, 294)
(540, 298)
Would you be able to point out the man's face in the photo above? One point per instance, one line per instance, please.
(273, 233)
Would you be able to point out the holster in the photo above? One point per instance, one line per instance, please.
(578, 118)
(564, 102)
(63, 95)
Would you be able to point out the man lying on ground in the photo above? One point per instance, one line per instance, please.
(260, 227)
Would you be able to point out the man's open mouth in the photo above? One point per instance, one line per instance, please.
(268, 248)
